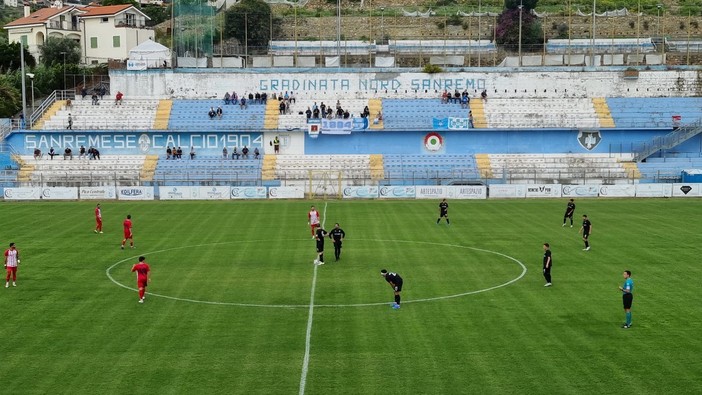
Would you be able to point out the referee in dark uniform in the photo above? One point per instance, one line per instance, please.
(396, 283)
(586, 229)
(443, 212)
(548, 262)
(337, 234)
(319, 237)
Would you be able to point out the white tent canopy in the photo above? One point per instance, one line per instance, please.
(151, 52)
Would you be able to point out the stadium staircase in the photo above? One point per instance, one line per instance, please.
(163, 114)
(670, 140)
(50, 113)
(377, 168)
(632, 170)
(268, 167)
(478, 109)
(603, 113)
(483, 163)
(272, 115)
(147, 172)
(25, 168)
(375, 106)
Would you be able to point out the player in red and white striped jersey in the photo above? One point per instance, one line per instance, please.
(313, 220)
(11, 262)
(98, 219)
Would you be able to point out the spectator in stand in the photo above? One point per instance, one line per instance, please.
(308, 113)
(264, 98)
(314, 106)
(192, 152)
(168, 152)
(68, 153)
(323, 108)
(235, 155)
(329, 113)
(281, 107)
(118, 98)
(103, 91)
(483, 95)
(346, 114)
(219, 112)
(257, 153)
(52, 153)
(180, 153)
(291, 99)
(37, 153)
(212, 113)
(96, 154)
(95, 101)
(225, 154)
(81, 152)
(470, 119)
(286, 96)
(456, 97)
(69, 104)
(444, 97)
(235, 98)
(378, 118)
(90, 153)
(70, 122)
(464, 101)
(244, 153)
(366, 112)
(276, 143)
(242, 104)
(251, 97)
(83, 93)
(315, 113)
(287, 106)
(339, 112)
(257, 98)
(227, 98)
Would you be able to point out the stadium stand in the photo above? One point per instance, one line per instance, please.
(321, 47)
(134, 113)
(563, 168)
(540, 113)
(108, 170)
(441, 47)
(208, 170)
(193, 115)
(297, 119)
(412, 114)
(667, 169)
(427, 169)
(653, 112)
(48, 114)
(298, 167)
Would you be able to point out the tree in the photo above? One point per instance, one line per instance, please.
(514, 4)
(52, 52)
(10, 97)
(157, 14)
(507, 33)
(119, 2)
(10, 57)
(251, 19)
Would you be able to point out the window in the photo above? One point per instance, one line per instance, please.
(115, 41)
(104, 19)
(131, 19)
(93, 42)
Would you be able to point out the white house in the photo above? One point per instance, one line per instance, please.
(103, 32)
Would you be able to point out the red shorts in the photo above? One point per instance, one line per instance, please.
(11, 269)
(127, 235)
(142, 283)
(98, 221)
(314, 225)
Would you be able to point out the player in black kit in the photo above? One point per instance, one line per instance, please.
(396, 283)
(548, 262)
(570, 210)
(337, 234)
(586, 229)
(443, 212)
(319, 236)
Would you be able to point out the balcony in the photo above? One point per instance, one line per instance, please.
(65, 25)
(130, 22)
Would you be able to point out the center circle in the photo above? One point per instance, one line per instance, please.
(108, 272)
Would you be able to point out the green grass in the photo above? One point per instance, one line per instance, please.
(68, 329)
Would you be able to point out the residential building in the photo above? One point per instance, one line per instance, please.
(103, 33)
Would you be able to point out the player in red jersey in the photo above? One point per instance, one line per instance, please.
(128, 232)
(11, 262)
(98, 219)
(313, 220)
(143, 272)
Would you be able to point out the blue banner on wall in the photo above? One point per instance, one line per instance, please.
(343, 126)
(133, 143)
(451, 123)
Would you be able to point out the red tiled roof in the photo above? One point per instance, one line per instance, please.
(39, 16)
(106, 10)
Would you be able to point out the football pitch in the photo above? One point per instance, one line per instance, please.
(235, 305)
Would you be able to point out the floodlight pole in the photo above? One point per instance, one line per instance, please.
(24, 85)
(594, 26)
(521, 6)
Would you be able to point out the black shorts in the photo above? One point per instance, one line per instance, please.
(566, 215)
(628, 299)
(320, 247)
(337, 243)
(443, 214)
(586, 235)
(398, 287)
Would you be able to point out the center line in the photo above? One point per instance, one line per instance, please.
(310, 315)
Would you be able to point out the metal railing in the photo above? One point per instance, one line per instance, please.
(672, 139)
(48, 102)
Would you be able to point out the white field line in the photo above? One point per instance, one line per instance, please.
(310, 315)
